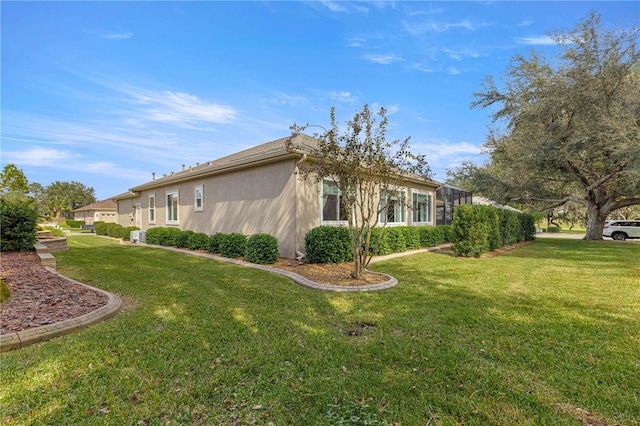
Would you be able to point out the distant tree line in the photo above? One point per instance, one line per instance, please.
(53, 200)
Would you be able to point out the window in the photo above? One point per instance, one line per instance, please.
(199, 206)
(152, 208)
(331, 200)
(172, 208)
(422, 205)
(396, 210)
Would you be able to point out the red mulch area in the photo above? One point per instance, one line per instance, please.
(39, 297)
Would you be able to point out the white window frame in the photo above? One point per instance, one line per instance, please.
(414, 212)
(169, 207)
(199, 189)
(383, 214)
(152, 208)
(321, 204)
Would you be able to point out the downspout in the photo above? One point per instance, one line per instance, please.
(299, 254)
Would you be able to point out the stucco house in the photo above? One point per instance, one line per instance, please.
(105, 211)
(258, 190)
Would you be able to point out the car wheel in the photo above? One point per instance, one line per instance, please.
(620, 236)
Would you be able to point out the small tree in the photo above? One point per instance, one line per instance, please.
(13, 179)
(368, 170)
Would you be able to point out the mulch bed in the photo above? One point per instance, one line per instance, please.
(39, 297)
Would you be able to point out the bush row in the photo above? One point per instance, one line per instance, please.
(114, 230)
(332, 244)
(478, 229)
(258, 248)
(74, 223)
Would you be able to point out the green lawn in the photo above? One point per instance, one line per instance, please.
(542, 335)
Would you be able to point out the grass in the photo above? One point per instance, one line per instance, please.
(547, 334)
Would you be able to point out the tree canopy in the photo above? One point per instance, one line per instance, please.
(567, 128)
(13, 179)
(368, 170)
(65, 196)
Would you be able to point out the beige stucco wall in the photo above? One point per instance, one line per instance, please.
(250, 201)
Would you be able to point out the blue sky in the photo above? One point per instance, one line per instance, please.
(105, 93)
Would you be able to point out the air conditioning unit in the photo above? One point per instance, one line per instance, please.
(138, 236)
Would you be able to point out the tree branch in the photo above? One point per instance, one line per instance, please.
(554, 202)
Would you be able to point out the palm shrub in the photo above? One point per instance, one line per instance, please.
(182, 239)
(233, 245)
(214, 242)
(19, 219)
(262, 249)
(198, 241)
(328, 244)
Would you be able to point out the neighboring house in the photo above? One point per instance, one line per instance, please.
(105, 211)
(258, 190)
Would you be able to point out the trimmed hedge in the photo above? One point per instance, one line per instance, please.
(198, 241)
(214, 242)
(233, 245)
(262, 249)
(328, 244)
(182, 240)
(19, 225)
(74, 223)
(163, 236)
(478, 229)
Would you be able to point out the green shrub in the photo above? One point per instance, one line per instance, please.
(262, 249)
(19, 223)
(115, 230)
(5, 292)
(328, 244)
(163, 236)
(55, 232)
(198, 241)
(383, 247)
(182, 239)
(233, 245)
(495, 234)
(509, 226)
(100, 228)
(553, 229)
(448, 235)
(394, 238)
(527, 227)
(214, 242)
(411, 237)
(472, 228)
(431, 236)
(126, 232)
(74, 223)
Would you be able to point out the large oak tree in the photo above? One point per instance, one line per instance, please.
(567, 128)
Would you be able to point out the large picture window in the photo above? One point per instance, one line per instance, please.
(172, 208)
(152, 208)
(422, 207)
(396, 209)
(331, 200)
(199, 199)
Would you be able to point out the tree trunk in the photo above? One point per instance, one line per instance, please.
(595, 224)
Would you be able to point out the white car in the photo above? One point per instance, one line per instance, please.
(621, 229)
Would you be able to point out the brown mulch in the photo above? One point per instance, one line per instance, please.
(39, 297)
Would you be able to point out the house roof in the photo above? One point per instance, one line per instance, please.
(271, 151)
(100, 205)
(488, 202)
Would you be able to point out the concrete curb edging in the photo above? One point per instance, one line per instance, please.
(19, 339)
(299, 279)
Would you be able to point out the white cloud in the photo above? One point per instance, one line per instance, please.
(536, 40)
(178, 107)
(356, 41)
(118, 35)
(383, 59)
(334, 6)
(453, 71)
(422, 67)
(286, 99)
(38, 156)
(342, 97)
(525, 23)
(458, 55)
